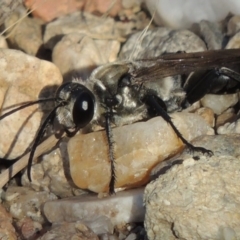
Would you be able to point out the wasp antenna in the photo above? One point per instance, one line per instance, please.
(28, 104)
(39, 137)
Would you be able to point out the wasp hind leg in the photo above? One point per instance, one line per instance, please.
(155, 104)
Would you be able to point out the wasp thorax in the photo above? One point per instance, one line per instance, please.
(79, 108)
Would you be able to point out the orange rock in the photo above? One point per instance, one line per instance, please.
(138, 148)
(48, 10)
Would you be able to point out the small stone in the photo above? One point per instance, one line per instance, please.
(51, 9)
(229, 127)
(3, 42)
(28, 227)
(121, 208)
(73, 231)
(159, 41)
(219, 103)
(7, 230)
(197, 199)
(208, 115)
(234, 42)
(225, 117)
(138, 148)
(23, 78)
(27, 35)
(233, 25)
(210, 32)
(77, 55)
(27, 203)
(50, 175)
(78, 22)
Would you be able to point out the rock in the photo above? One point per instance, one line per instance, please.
(226, 117)
(229, 127)
(159, 41)
(84, 23)
(28, 228)
(197, 199)
(77, 55)
(49, 10)
(208, 115)
(50, 175)
(234, 42)
(23, 78)
(219, 103)
(138, 148)
(123, 207)
(24, 202)
(233, 25)
(70, 231)
(3, 42)
(27, 35)
(7, 6)
(210, 32)
(7, 230)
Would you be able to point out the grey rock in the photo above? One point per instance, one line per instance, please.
(124, 207)
(210, 32)
(159, 41)
(197, 199)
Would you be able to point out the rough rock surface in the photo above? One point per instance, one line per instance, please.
(197, 199)
(23, 202)
(159, 41)
(31, 79)
(50, 175)
(138, 148)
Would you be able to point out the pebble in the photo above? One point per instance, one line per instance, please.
(76, 54)
(233, 25)
(49, 10)
(31, 79)
(219, 103)
(207, 114)
(7, 230)
(70, 231)
(24, 202)
(210, 32)
(226, 117)
(27, 35)
(205, 205)
(140, 145)
(50, 175)
(160, 41)
(84, 23)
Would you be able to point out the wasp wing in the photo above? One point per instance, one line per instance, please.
(183, 63)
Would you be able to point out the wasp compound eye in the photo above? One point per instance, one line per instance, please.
(83, 108)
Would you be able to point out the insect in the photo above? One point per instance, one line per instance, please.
(125, 92)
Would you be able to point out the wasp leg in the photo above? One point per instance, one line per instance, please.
(153, 102)
(217, 80)
(111, 143)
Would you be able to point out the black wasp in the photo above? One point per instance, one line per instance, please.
(125, 92)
